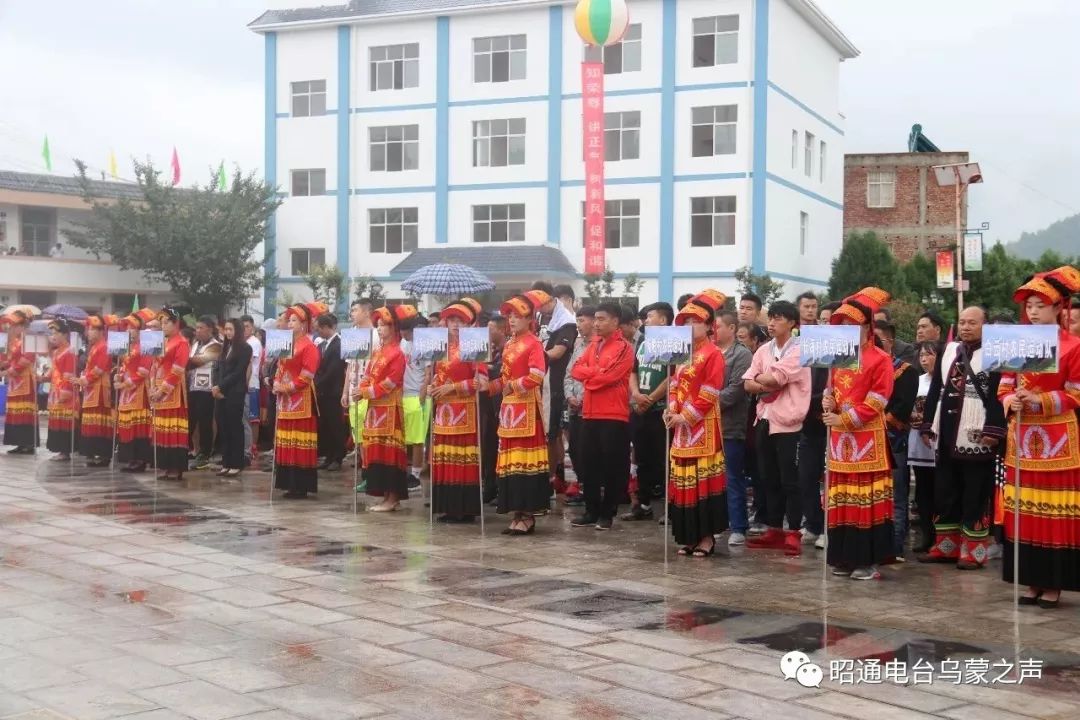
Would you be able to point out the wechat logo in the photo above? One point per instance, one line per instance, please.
(797, 666)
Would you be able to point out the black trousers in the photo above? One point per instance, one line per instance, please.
(230, 422)
(811, 468)
(780, 475)
(201, 421)
(924, 497)
(649, 450)
(575, 447)
(962, 497)
(607, 465)
(332, 429)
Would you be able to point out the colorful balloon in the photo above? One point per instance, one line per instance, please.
(601, 22)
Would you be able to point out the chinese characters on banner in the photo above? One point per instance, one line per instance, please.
(946, 272)
(592, 103)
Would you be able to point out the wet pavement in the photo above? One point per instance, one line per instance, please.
(121, 596)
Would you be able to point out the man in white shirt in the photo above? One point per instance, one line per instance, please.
(251, 411)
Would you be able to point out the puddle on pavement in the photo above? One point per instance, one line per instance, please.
(806, 637)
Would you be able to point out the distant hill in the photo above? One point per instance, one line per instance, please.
(1063, 237)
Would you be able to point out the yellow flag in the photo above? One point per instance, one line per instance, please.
(112, 165)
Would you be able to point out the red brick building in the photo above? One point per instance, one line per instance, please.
(895, 195)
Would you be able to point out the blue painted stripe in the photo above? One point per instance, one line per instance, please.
(402, 190)
(695, 274)
(270, 163)
(711, 176)
(758, 190)
(442, 128)
(797, 278)
(394, 108)
(616, 181)
(618, 93)
(327, 111)
(806, 108)
(495, 101)
(522, 185)
(666, 284)
(808, 193)
(344, 155)
(712, 86)
(554, 120)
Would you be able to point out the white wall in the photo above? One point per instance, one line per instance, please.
(459, 216)
(306, 222)
(741, 160)
(643, 259)
(812, 73)
(362, 261)
(726, 258)
(533, 22)
(647, 13)
(687, 10)
(782, 228)
(306, 55)
(461, 145)
(401, 32)
(362, 177)
(307, 143)
(648, 162)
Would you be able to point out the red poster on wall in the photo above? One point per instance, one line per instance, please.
(592, 106)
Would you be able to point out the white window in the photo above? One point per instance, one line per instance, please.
(622, 224)
(794, 149)
(499, 223)
(808, 155)
(716, 40)
(498, 143)
(499, 59)
(394, 67)
(712, 221)
(880, 189)
(622, 135)
(308, 182)
(304, 261)
(804, 231)
(392, 230)
(394, 148)
(308, 98)
(622, 57)
(713, 130)
(821, 161)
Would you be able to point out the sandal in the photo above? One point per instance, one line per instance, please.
(685, 550)
(700, 552)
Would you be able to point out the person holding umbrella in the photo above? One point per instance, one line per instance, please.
(63, 402)
(18, 367)
(96, 436)
(133, 426)
(168, 396)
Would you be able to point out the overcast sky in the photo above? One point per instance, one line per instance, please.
(995, 77)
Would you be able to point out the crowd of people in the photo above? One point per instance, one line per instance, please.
(747, 444)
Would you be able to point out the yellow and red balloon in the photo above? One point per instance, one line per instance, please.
(601, 22)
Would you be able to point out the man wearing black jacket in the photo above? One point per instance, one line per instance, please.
(329, 382)
(897, 428)
(964, 413)
(812, 450)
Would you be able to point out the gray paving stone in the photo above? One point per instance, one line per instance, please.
(91, 700)
(451, 653)
(557, 683)
(235, 675)
(203, 701)
(664, 684)
(135, 673)
(317, 703)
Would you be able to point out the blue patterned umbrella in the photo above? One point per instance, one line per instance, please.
(65, 311)
(446, 279)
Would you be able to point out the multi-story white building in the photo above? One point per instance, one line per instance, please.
(34, 212)
(403, 131)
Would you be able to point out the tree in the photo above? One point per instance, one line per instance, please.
(366, 287)
(761, 285)
(600, 285)
(327, 283)
(199, 241)
(632, 285)
(864, 261)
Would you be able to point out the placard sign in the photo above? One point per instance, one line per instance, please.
(667, 345)
(830, 346)
(117, 343)
(429, 344)
(1020, 348)
(152, 343)
(356, 343)
(474, 344)
(279, 344)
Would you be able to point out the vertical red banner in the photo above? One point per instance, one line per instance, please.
(592, 107)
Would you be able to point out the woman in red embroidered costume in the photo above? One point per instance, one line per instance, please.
(697, 479)
(297, 438)
(1049, 406)
(860, 532)
(63, 397)
(134, 429)
(96, 433)
(18, 367)
(383, 441)
(522, 467)
(168, 396)
(455, 444)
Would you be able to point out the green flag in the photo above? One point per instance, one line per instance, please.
(221, 176)
(46, 155)
(135, 304)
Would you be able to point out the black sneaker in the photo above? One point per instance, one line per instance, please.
(603, 524)
(638, 513)
(414, 483)
(584, 521)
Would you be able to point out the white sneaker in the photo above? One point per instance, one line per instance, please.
(820, 542)
(757, 529)
(736, 538)
(808, 538)
(993, 552)
(866, 573)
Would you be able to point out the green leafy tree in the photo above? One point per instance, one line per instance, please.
(365, 287)
(632, 285)
(327, 283)
(200, 241)
(761, 285)
(864, 261)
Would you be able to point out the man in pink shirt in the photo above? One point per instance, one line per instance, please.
(783, 387)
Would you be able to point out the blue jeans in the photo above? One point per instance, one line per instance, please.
(735, 459)
(901, 486)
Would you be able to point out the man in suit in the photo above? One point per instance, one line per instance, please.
(329, 383)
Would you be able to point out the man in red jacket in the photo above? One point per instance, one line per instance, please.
(604, 370)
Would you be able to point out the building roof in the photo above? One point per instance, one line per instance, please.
(537, 260)
(356, 10)
(64, 185)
